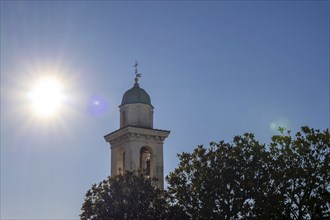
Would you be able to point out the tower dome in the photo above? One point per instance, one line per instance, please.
(136, 109)
(136, 95)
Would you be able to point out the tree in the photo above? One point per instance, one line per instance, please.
(303, 164)
(127, 196)
(225, 181)
(246, 180)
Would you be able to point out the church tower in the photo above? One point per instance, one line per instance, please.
(136, 144)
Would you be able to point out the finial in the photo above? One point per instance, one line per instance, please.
(137, 75)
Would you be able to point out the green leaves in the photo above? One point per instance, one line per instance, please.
(218, 181)
(127, 196)
(244, 179)
(304, 162)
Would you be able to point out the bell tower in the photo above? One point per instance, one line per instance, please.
(136, 144)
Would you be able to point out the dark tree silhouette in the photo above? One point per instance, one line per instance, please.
(224, 181)
(302, 173)
(127, 196)
(246, 180)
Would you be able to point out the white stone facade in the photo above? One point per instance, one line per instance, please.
(126, 145)
(137, 114)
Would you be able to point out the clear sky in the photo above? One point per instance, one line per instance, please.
(213, 70)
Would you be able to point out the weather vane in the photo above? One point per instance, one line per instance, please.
(137, 75)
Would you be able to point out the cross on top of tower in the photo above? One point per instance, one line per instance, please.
(137, 75)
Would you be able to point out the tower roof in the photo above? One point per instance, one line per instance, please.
(136, 95)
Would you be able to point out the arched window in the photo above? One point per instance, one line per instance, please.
(145, 160)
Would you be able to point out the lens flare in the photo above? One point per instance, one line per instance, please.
(98, 105)
(282, 122)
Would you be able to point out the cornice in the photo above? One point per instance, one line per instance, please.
(136, 133)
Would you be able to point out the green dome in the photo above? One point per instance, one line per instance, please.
(136, 95)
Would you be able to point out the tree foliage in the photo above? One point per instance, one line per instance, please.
(127, 196)
(224, 181)
(302, 163)
(246, 180)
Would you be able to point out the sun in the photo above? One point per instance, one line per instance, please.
(46, 97)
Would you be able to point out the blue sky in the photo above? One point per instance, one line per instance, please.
(213, 69)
